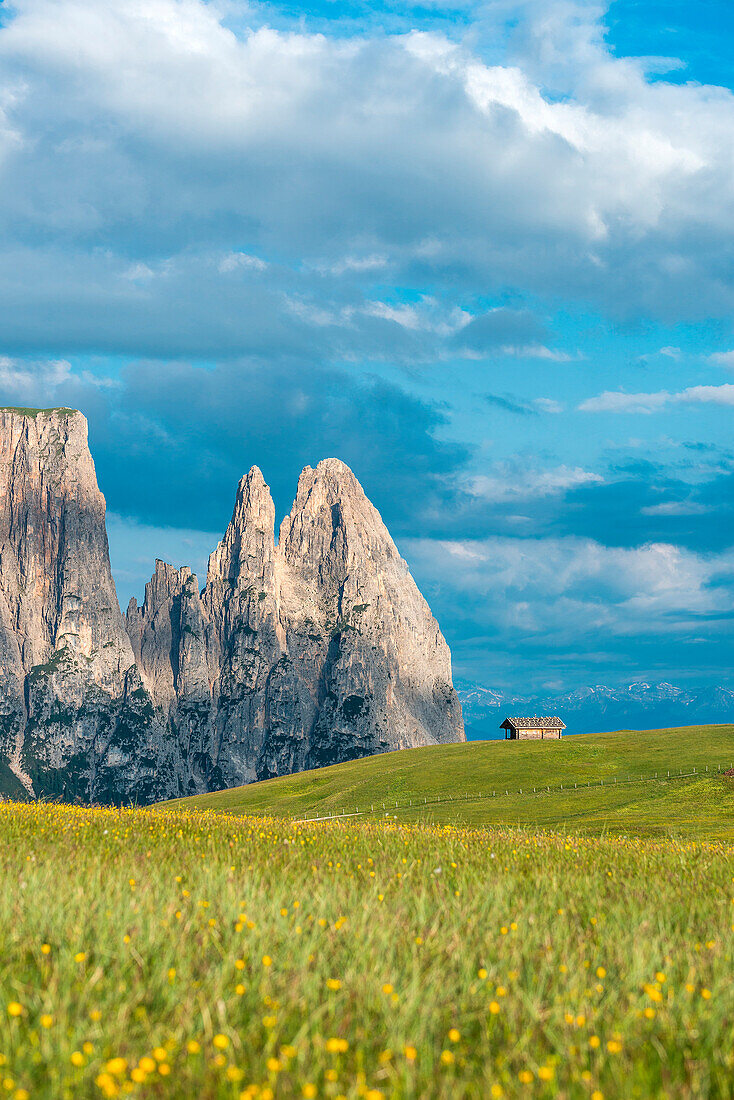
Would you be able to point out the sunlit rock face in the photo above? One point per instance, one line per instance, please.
(312, 651)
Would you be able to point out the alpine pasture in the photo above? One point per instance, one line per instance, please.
(180, 953)
(651, 781)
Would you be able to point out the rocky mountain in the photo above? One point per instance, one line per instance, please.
(317, 649)
(595, 709)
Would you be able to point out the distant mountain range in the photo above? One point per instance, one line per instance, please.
(599, 708)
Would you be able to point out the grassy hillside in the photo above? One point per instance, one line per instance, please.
(700, 805)
(172, 954)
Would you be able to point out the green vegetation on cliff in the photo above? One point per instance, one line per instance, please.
(33, 413)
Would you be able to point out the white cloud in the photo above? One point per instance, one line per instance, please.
(676, 508)
(723, 359)
(235, 261)
(162, 128)
(357, 264)
(39, 382)
(537, 351)
(406, 316)
(17, 377)
(23, 379)
(618, 402)
(570, 587)
(509, 482)
(548, 405)
(138, 272)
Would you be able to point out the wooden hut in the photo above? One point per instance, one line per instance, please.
(533, 729)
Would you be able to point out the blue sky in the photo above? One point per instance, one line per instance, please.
(483, 252)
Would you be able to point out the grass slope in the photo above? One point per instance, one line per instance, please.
(699, 806)
(33, 413)
(172, 954)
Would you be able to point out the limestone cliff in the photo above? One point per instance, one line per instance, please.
(312, 651)
(73, 711)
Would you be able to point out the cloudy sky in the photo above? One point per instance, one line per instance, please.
(481, 251)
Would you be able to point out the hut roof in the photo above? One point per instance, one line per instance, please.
(536, 722)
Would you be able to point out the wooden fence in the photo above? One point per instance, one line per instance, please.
(385, 808)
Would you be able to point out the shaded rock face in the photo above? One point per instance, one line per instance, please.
(314, 651)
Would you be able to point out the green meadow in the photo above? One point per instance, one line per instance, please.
(185, 954)
(576, 943)
(598, 782)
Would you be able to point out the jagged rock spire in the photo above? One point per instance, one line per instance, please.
(332, 526)
(246, 551)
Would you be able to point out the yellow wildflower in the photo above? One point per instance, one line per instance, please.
(116, 1066)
